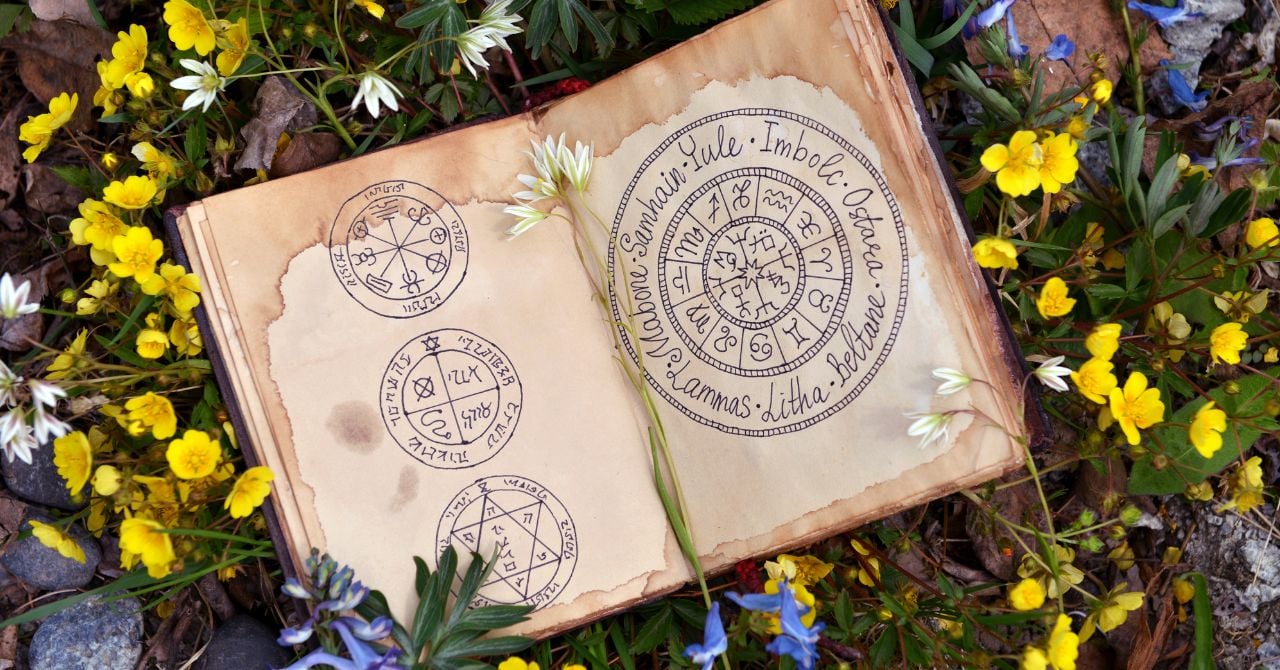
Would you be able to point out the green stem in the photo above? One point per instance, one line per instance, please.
(1135, 61)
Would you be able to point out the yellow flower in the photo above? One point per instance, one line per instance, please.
(71, 360)
(136, 254)
(1262, 232)
(996, 252)
(1068, 575)
(135, 192)
(1017, 166)
(99, 291)
(38, 130)
(1116, 608)
(97, 226)
(194, 455)
(1136, 406)
(1122, 556)
(1245, 485)
(238, 45)
(573, 666)
(1034, 658)
(802, 595)
(57, 539)
(158, 164)
(129, 55)
(1077, 127)
(515, 663)
(140, 84)
(1026, 595)
(1113, 260)
(146, 539)
(1059, 163)
(249, 491)
(1064, 645)
(74, 458)
(1206, 429)
(1186, 169)
(1095, 380)
(1100, 91)
(150, 411)
(174, 282)
(106, 97)
(151, 343)
(1242, 305)
(1053, 300)
(1226, 342)
(188, 27)
(868, 565)
(185, 336)
(798, 570)
(372, 7)
(107, 480)
(1103, 341)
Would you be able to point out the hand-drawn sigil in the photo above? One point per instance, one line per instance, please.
(398, 248)
(763, 262)
(450, 398)
(525, 526)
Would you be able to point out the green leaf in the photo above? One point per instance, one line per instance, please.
(950, 33)
(1158, 195)
(493, 646)
(1163, 224)
(9, 17)
(1106, 291)
(1201, 608)
(917, 55)
(1232, 209)
(653, 632)
(196, 140)
(431, 11)
(421, 574)
(491, 617)
(471, 581)
(542, 26)
(603, 39)
(426, 621)
(75, 175)
(695, 12)
(1185, 464)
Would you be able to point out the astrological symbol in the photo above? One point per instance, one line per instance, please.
(436, 426)
(425, 387)
(436, 263)
(690, 242)
(386, 209)
(725, 340)
(741, 199)
(763, 241)
(681, 280)
(411, 282)
(726, 259)
(761, 349)
(363, 256)
(744, 303)
(826, 258)
(378, 284)
(439, 235)
(468, 537)
(807, 227)
(766, 308)
(821, 300)
(509, 566)
(699, 316)
(778, 281)
(528, 517)
(497, 530)
(417, 214)
(542, 556)
(715, 207)
(794, 331)
(360, 230)
(778, 198)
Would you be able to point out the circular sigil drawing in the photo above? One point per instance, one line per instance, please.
(763, 262)
(525, 526)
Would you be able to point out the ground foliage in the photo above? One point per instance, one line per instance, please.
(1138, 282)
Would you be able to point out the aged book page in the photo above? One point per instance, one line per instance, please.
(786, 247)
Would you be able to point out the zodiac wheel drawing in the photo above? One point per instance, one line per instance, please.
(450, 398)
(765, 268)
(525, 526)
(399, 248)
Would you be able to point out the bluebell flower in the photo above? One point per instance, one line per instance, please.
(1017, 50)
(1182, 92)
(714, 641)
(757, 602)
(1165, 16)
(1210, 163)
(355, 636)
(798, 641)
(989, 16)
(1061, 48)
(294, 589)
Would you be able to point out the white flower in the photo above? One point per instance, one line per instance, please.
(546, 159)
(528, 218)
(1050, 373)
(8, 385)
(16, 440)
(204, 84)
(47, 426)
(539, 188)
(13, 301)
(576, 166)
(953, 380)
(929, 427)
(491, 30)
(44, 394)
(375, 90)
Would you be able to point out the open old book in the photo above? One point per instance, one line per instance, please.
(791, 253)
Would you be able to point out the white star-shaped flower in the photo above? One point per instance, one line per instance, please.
(375, 91)
(204, 84)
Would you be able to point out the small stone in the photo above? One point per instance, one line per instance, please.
(1190, 41)
(92, 635)
(243, 642)
(44, 568)
(38, 481)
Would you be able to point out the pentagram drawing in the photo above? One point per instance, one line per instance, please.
(766, 263)
(450, 398)
(398, 248)
(525, 526)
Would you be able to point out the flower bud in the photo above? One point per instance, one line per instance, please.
(1130, 515)
(1231, 388)
(68, 296)
(310, 30)
(109, 161)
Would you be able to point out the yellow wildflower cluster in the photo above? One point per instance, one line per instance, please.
(800, 572)
(1244, 485)
(124, 70)
(1026, 164)
(189, 28)
(38, 130)
(1060, 652)
(517, 663)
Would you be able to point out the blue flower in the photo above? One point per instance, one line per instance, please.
(798, 641)
(757, 602)
(1165, 16)
(356, 636)
(714, 641)
(1181, 90)
(1017, 50)
(989, 16)
(1061, 49)
(950, 8)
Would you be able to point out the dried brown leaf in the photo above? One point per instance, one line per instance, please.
(58, 56)
(307, 151)
(10, 156)
(56, 10)
(46, 192)
(280, 108)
